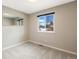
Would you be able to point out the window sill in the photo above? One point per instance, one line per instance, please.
(47, 31)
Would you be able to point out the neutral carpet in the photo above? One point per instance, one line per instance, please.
(34, 51)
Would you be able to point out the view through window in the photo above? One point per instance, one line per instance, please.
(46, 22)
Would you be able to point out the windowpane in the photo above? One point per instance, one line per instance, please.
(46, 22)
(49, 22)
(42, 23)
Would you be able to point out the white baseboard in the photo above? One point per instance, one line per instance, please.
(62, 50)
(19, 43)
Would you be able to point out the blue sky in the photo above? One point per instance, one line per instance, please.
(49, 18)
(44, 19)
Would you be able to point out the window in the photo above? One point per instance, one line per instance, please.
(46, 22)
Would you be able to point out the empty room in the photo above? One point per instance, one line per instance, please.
(39, 29)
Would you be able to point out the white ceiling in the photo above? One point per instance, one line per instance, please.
(30, 6)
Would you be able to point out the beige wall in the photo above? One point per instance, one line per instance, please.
(65, 28)
(7, 22)
(14, 34)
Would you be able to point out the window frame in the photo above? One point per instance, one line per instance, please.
(53, 25)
